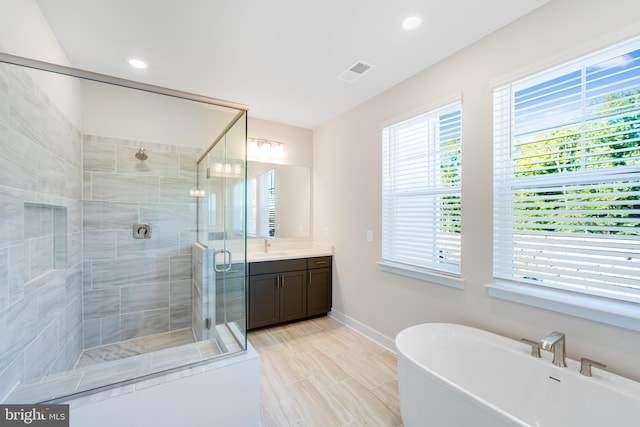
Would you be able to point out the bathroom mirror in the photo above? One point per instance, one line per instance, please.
(278, 201)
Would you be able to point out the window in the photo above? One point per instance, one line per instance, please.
(267, 217)
(567, 179)
(421, 193)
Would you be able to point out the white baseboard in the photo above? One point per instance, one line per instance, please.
(372, 334)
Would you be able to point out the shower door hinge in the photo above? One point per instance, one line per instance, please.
(208, 173)
(207, 323)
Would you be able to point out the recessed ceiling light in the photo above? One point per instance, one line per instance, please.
(411, 23)
(137, 63)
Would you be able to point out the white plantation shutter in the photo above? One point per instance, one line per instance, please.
(421, 191)
(567, 177)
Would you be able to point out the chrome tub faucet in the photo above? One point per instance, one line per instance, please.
(555, 343)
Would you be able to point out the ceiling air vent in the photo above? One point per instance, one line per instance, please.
(354, 71)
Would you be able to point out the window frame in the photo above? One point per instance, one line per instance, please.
(581, 303)
(444, 276)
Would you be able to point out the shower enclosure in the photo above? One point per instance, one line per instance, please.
(122, 230)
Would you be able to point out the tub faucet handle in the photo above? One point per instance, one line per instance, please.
(535, 346)
(586, 364)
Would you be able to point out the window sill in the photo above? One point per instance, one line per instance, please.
(440, 278)
(617, 313)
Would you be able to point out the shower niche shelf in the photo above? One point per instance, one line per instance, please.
(45, 237)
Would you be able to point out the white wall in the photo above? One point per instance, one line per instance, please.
(298, 142)
(24, 32)
(125, 113)
(347, 186)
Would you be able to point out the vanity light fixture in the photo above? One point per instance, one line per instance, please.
(411, 23)
(138, 63)
(265, 148)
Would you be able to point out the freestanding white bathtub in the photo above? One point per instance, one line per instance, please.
(453, 375)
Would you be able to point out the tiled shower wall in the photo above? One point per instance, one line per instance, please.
(40, 233)
(132, 287)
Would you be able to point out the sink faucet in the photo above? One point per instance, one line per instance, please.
(555, 343)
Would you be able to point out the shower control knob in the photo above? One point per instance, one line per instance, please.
(142, 231)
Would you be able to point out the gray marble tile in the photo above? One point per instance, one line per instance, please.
(188, 165)
(103, 216)
(110, 329)
(101, 303)
(106, 353)
(70, 320)
(180, 268)
(12, 214)
(175, 357)
(177, 190)
(40, 256)
(51, 297)
(180, 292)
(27, 114)
(57, 385)
(132, 325)
(74, 253)
(114, 372)
(209, 348)
(60, 246)
(128, 247)
(4, 97)
(86, 275)
(18, 324)
(122, 188)
(11, 376)
(168, 243)
(91, 333)
(156, 321)
(56, 175)
(40, 354)
(180, 316)
(167, 340)
(114, 273)
(38, 221)
(99, 245)
(16, 169)
(74, 216)
(74, 282)
(69, 353)
(145, 297)
(98, 157)
(187, 239)
(87, 182)
(4, 278)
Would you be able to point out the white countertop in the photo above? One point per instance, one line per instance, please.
(277, 254)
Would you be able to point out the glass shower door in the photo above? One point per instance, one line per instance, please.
(225, 184)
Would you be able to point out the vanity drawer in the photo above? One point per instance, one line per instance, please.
(279, 266)
(319, 262)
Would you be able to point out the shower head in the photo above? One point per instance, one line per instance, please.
(141, 154)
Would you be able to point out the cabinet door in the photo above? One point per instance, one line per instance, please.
(319, 291)
(264, 302)
(293, 295)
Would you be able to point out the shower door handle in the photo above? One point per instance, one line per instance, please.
(226, 265)
(230, 262)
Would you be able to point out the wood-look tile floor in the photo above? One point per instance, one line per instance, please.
(319, 372)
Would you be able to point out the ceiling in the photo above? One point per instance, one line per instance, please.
(279, 57)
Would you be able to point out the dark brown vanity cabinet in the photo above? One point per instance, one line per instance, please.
(318, 285)
(286, 290)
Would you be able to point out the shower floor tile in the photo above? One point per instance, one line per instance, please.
(113, 363)
(135, 347)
